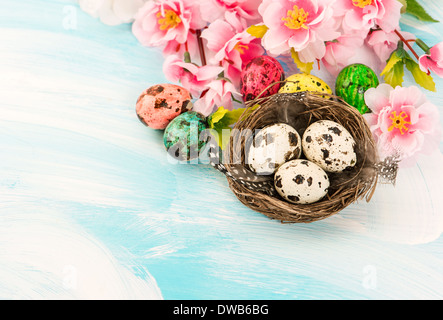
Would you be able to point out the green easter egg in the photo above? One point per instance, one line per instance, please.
(352, 83)
(185, 136)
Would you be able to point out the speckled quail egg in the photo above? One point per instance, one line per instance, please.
(258, 75)
(158, 105)
(301, 182)
(305, 82)
(329, 145)
(184, 137)
(272, 146)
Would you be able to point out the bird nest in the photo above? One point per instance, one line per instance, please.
(299, 110)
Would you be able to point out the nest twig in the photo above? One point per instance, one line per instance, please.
(300, 110)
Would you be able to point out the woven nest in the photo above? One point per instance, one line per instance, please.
(299, 110)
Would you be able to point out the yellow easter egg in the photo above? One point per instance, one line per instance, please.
(305, 82)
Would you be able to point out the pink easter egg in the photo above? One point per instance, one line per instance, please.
(258, 75)
(158, 105)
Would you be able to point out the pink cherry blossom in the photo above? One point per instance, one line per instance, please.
(243, 12)
(232, 49)
(433, 61)
(339, 52)
(303, 25)
(192, 77)
(403, 122)
(384, 43)
(219, 94)
(366, 14)
(160, 22)
(175, 48)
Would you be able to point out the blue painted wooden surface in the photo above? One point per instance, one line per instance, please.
(90, 206)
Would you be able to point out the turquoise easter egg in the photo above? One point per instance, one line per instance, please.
(352, 83)
(186, 135)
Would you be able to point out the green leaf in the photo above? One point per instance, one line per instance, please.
(217, 116)
(422, 78)
(395, 58)
(223, 119)
(258, 31)
(187, 57)
(415, 9)
(303, 67)
(395, 75)
(405, 5)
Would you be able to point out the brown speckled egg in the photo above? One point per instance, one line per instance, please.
(273, 146)
(329, 145)
(301, 182)
(158, 105)
(259, 74)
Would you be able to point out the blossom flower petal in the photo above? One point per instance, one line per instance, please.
(433, 61)
(192, 77)
(407, 96)
(365, 15)
(403, 122)
(158, 23)
(218, 34)
(389, 20)
(378, 98)
(384, 43)
(232, 49)
(301, 25)
(219, 94)
(237, 12)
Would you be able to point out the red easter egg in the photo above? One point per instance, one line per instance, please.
(259, 74)
(158, 105)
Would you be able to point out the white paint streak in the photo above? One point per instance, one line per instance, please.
(411, 212)
(52, 120)
(44, 255)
